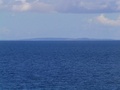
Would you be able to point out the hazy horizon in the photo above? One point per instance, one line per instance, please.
(61, 39)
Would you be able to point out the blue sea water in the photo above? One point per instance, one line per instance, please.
(60, 65)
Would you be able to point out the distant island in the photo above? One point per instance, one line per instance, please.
(66, 39)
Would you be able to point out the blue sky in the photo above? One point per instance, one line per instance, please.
(24, 19)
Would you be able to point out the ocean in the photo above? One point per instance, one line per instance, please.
(60, 65)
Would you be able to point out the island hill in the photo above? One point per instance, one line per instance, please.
(66, 39)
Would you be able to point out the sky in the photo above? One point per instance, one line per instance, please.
(26, 19)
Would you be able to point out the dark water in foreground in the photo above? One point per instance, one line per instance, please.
(60, 65)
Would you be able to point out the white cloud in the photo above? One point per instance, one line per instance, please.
(23, 5)
(106, 21)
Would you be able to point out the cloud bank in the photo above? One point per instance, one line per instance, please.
(62, 6)
(24, 5)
